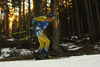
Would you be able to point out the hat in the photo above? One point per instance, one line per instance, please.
(51, 14)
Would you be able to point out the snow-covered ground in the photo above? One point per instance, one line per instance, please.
(6, 52)
(75, 61)
(70, 46)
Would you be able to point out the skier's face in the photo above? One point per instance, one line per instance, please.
(51, 18)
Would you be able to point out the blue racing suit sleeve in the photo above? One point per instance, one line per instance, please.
(33, 25)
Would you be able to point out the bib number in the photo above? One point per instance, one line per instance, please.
(39, 33)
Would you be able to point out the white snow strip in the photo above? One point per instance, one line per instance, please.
(75, 61)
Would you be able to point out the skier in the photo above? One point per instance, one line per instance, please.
(41, 23)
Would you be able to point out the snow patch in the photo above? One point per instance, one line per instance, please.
(70, 46)
(97, 47)
(6, 52)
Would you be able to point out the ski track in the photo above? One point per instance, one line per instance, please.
(74, 61)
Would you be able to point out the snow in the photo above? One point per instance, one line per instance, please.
(97, 47)
(70, 46)
(6, 52)
(75, 48)
(74, 61)
(11, 39)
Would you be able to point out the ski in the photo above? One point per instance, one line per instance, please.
(53, 58)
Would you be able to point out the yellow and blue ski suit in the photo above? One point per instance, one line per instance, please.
(42, 23)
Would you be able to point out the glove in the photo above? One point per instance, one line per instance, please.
(30, 29)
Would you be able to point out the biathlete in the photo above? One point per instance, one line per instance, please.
(40, 23)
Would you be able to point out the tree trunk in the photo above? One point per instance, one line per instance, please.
(38, 7)
(77, 20)
(19, 19)
(92, 24)
(98, 17)
(0, 28)
(6, 29)
(3, 27)
(29, 19)
(0, 23)
(24, 28)
(55, 36)
(72, 18)
(88, 21)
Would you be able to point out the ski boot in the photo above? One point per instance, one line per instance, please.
(38, 58)
(46, 57)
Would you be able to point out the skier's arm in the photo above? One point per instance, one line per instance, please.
(35, 20)
(41, 18)
(33, 26)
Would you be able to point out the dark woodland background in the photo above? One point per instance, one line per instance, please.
(79, 18)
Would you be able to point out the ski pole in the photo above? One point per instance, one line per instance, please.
(19, 32)
(48, 13)
(25, 38)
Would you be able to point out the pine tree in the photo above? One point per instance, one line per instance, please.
(89, 22)
(77, 20)
(55, 35)
(24, 28)
(19, 18)
(38, 7)
(91, 19)
(6, 29)
(98, 17)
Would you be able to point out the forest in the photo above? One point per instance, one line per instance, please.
(76, 22)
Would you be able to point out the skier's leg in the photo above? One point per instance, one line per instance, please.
(41, 46)
(39, 49)
(47, 43)
(43, 38)
(47, 48)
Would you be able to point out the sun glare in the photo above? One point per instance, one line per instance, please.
(13, 12)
